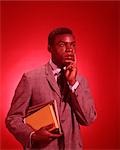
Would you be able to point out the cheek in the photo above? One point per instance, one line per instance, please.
(61, 51)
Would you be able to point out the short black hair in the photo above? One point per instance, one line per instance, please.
(58, 31)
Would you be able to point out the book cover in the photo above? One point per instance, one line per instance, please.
(43, 115)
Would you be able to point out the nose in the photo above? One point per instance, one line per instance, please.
(70, 47)
(69, 50)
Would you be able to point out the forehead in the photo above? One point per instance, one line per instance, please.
(64, 38)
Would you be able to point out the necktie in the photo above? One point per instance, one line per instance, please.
(62, 83)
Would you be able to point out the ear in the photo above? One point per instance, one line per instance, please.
(49, 48)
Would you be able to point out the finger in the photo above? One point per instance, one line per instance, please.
(50, 139)
(48, 127)
(70, 67)
(68, 62)
(55, 135)
(67, 73)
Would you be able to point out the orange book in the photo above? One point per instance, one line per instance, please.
(43, 115)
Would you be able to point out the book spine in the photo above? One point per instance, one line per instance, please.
(57, 115)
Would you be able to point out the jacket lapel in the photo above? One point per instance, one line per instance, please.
(51, 79)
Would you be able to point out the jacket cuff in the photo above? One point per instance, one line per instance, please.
(30, 140)
(74, 87)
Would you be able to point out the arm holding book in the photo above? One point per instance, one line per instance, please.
(43, 136)
(17, 112)
(44, 120)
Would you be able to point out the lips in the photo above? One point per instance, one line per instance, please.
(69, 57)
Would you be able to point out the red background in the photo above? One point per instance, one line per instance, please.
(25, 27)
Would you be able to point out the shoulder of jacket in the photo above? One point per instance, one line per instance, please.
(35, 72)
(80, 77)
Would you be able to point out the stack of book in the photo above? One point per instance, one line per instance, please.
(39, 116)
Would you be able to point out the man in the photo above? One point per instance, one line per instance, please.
(74, 100)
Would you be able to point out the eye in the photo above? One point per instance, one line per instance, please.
(61, 44)
(73, 45)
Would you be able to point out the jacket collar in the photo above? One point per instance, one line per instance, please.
(55, 68)
(51, 79)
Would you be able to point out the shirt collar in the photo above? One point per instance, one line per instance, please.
(54, 67)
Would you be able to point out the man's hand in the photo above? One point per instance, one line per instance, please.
(71, 69)
(43, 136)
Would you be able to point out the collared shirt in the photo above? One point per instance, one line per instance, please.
(55, 69)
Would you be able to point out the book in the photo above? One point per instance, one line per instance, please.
(42, 115)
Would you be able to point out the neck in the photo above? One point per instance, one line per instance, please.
(59, 65)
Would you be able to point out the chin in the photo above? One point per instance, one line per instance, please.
(66, 63)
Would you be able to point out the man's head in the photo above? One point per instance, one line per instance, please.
(61, 45)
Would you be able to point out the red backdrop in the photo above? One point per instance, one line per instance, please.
(25, 27)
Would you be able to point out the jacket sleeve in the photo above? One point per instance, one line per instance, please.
(15, 117)
(82, 103)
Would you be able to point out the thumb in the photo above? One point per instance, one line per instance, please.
(48, 127)
(67, 73)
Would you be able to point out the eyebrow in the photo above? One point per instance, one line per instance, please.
(65, 42)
